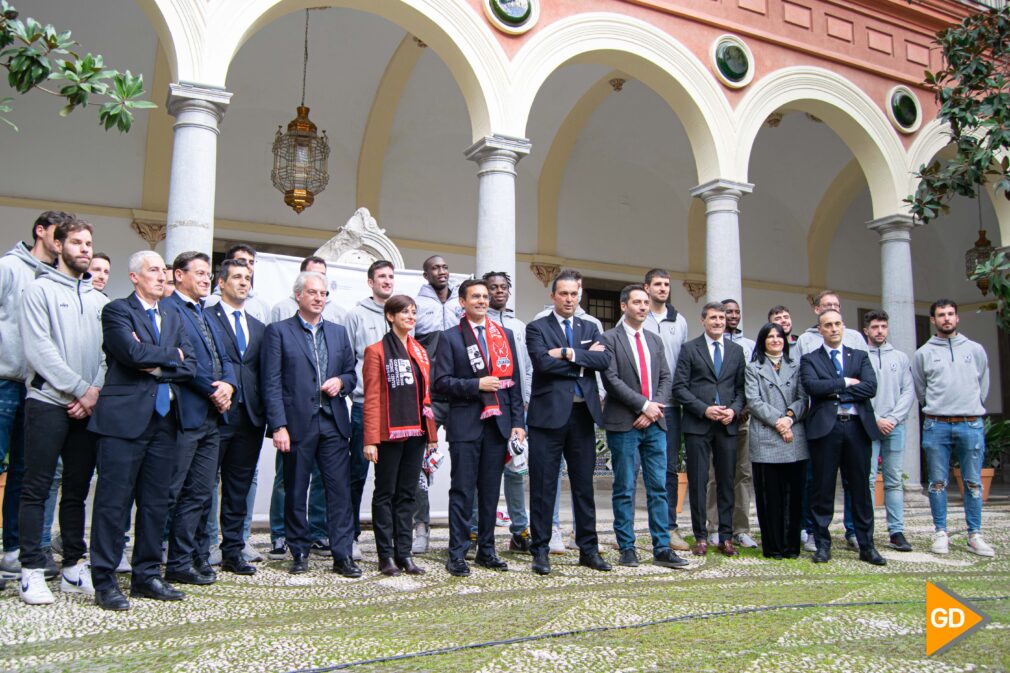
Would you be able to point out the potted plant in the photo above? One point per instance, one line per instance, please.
(997, 439)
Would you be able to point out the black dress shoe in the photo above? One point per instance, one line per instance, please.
(899, 542)
(204, 568)
(457, 567)
(491, 562)
(407, 565)
(872, 556)
(822, 555)
(388, 567)
(111, 599)
(299, 564)
(238, 566)
(346, 567)
(667, 558)
(629, 558)
(541, 563)
(157, 589)
(189, 576)
(594, 561)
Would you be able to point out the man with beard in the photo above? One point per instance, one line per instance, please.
(781, 316)
(62, 332)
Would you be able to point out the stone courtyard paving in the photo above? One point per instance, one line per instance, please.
(274, 622)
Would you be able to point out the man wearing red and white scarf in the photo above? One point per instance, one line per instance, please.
(475, 368)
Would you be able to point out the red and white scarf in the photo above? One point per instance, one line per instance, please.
(499, 362)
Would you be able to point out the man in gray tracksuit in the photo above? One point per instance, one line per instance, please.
(61, 329)
(17, 270)
(366, 324)
(891, 406)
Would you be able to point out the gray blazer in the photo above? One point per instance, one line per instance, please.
(624, 388)
(769, 395)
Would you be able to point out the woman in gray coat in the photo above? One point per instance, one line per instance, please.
(778, 447)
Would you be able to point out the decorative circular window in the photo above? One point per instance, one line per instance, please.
(733, 61)
(512, 16)
(903, 109)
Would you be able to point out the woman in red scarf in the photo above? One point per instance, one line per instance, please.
(398, 427)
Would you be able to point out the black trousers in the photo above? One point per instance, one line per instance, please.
(716, 447)
(778, 494)
(126, 466)
(395, 495)
(846, 447)
(240, 444)
(576, 441)
(195, 478)
(321, 444)
(49, 435)
(476, 466)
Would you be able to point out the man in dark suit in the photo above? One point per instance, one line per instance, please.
(840, 428)
(137, 420)
(709, 384)
(307, 372)
(564, 405)
(636, 426)
(204, 401)
(242, 436)
(477, 370)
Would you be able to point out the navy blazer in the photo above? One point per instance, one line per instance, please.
(247, 367)
(553, 389)
(454, 378)
(194, 396)
(827, 391)
(695, 384)
(126, 402)
(288, 376)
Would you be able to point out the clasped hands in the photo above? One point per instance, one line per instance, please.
(784, 426)
(653, 412)
(718, 412)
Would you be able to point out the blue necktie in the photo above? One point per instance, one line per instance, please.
(836, 363)
(717, 364)
(239, 334)
(570, 337)
(483, 347)
(162, 400)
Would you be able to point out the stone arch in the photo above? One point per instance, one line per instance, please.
(179, 28)
(847, 110)
(642, 52)
(834, 204)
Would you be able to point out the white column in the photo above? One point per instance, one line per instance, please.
(722, 237)
(898, 299)
(198, 111)
(496, 158)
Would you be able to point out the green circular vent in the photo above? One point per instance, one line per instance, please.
(904, 109)
(512, 12)
(732, 61)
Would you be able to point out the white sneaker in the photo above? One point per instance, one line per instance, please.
(745, 540)
(557, 544)
(810, 544)
(10, 566)
(77, 579)
(355, 551)
(215, 555)
(570, 542)
(803, 536)
(251, 554)
(33, 587)
(422, 533)
(713, 539)
(124, 564)
(941, 543)
(976, 545)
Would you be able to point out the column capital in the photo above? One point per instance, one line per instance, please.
(894, 227)
(189, 94)
(722, 188)
(499, 147)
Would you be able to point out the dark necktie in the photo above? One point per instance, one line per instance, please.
(240, 342)
(837, 363)
(318, 339)
(215, 358)
(570, 337)
(483, 347)
(717, 364)
(643, 366)
(162, 399)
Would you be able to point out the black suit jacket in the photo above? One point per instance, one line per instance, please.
(126, 402)
(454, 378)
(827, 391)
(695, 384)
(623, 383)
(553, 389)
(247, 367)
(289, 381)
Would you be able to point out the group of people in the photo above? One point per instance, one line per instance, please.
(168, 393)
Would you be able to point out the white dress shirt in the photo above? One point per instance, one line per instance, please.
(646, 375)
(229, 313)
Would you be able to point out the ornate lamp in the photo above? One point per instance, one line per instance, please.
(300, 155)
(980, 253)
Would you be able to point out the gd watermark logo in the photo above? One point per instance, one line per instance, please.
(949, 618)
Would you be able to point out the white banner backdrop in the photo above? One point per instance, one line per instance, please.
(275, 276)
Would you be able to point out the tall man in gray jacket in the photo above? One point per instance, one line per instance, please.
(951, 375)
(61, 328)
(891, 406)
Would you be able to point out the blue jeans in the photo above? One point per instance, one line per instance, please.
(672, 458)
(12, 447)
(317, 504)
(650, 445)
(967, 441)
(515, 503)
(891, 449)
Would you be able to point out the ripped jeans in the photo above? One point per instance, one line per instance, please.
(967, 440)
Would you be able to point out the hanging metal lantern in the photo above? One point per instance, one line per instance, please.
(978, 255)
(300, 155)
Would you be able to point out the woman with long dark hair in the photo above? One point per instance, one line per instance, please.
(398, 426)
(778, 447)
